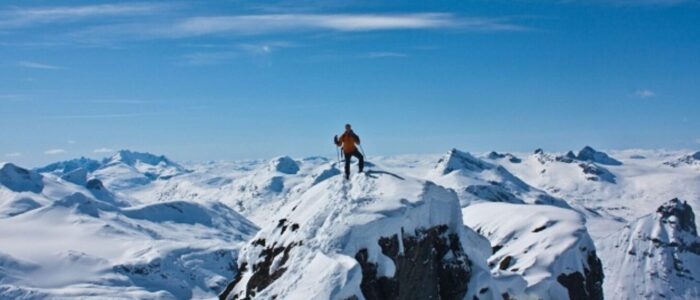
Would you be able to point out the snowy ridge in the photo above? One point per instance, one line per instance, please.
(548, 246)
(476, 180)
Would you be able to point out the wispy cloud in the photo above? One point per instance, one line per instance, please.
(71, 142)
(54, 151)
(647, 2)
(36, 65)
(25, 17)
(230, 52)
(103, 150)
(209, 58)
(11, 97)
(644, 93)
(104, 116)
(13, 154)
(386, 54)
(267, 24)
(697, 141)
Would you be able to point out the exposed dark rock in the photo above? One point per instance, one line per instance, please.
(597, 173)
(261, 276)
(585, 286)
(683, 213)
(512, 158)
(495, 249)
(423, 270)
(538, 229)
(95, 185)
(505, 262)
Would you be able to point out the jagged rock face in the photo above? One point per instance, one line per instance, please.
(429, 265)
(20, 180)
(586, 286)
(590, 154)
(512, 158)
(678, 214)
(656, 256)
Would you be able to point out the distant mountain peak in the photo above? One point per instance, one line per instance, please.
(20, 179)
(696, 155)
(459, 160)
(284, 164)
(590, 154)
(131, 157)
(68, 166)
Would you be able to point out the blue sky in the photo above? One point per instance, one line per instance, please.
(239, 80)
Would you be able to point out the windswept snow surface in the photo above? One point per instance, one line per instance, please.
(138, 225)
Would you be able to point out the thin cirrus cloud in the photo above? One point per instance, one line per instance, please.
(103, 150)
(644, 93)
(54, 151)
(36, 65)
(13, 154)
(268, 24)
(385, 54)
(280, 23)
(27, 17)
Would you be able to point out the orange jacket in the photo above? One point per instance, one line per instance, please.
(348, 141)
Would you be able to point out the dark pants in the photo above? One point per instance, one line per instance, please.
(348, 156)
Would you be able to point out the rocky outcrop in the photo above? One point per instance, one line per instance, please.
(587, 285)
(430, 264)
(20, 180)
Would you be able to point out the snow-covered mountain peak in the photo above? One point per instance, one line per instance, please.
(284, 164)
(132, 158)
(592, 155)
(458, 160)
(20, 179)
(64, 167)
(655, 257)
(363, 238)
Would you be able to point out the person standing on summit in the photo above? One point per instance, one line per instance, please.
(349, 141)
